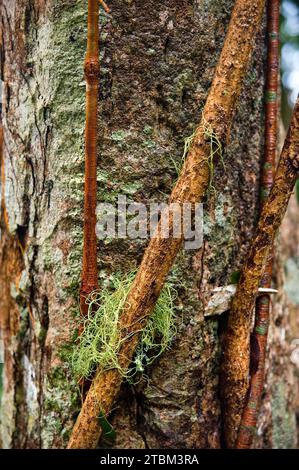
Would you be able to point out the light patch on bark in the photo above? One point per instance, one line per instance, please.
(31, 393)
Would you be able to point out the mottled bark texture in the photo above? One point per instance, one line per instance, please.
(191, 187)
(157, 64)
(235, 362)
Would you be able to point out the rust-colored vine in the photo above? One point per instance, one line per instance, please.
(191, 187)
(235, 362)
(89, 281)
(263, 302)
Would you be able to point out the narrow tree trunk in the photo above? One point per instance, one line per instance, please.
(157, 63)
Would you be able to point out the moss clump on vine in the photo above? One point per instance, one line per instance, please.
(101, 339)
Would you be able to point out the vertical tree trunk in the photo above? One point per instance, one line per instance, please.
(157, 63)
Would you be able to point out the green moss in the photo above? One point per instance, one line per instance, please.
(184, 80)
(24, 323)
(42, 335)
(101, 339)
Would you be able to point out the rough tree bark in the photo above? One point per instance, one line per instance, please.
(157, 63)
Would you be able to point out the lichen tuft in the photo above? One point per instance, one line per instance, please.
(101, 339)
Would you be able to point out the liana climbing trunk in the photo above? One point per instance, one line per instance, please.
(89, 281)
(263, 303)
(235, 362)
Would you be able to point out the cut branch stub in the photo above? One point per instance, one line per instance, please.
(235, 361)
(191, 187)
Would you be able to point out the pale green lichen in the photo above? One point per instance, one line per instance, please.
(215, 151)
(148, 130)
(149, 144)
(187, 144)
(101, 340)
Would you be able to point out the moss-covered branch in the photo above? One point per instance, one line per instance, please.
(190, 187)
(235, 361)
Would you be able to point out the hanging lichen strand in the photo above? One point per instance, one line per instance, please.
(260, 332)
(235, 361)
(101, 338)
(89, 281)
(190, 187)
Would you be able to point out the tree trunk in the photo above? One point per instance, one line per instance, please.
(157, 63)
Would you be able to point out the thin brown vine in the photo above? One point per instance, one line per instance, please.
(263, 302)
(235, 361)
(89, 280)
